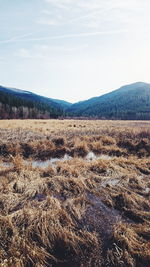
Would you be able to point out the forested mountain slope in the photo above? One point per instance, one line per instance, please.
(16, 103)
(128, 102)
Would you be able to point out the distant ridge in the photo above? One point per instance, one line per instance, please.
(20, 104)
(130, 102)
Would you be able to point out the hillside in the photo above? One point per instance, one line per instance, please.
(128, 102)
(16, 103)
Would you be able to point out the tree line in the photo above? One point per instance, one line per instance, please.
(12, 107)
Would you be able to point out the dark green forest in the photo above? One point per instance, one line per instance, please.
(130, 102)
(13, 107)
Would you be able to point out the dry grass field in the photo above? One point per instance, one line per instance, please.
(90, 209)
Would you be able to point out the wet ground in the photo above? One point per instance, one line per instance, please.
(45, 163)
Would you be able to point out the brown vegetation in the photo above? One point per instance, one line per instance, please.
(76, 212)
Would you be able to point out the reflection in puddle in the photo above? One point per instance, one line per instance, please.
(6, 165)
(110, 182)
(92, 156)
(44, 164)
(147, 190)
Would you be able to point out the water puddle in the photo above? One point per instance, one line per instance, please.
(110, 182)
(92, 156)
(6, 165)
(147, 190)
(44, 164)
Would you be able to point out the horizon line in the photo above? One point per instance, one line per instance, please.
(71, 102)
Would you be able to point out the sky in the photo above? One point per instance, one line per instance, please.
(74, 49)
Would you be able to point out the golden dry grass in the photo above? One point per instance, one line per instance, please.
(76, 212)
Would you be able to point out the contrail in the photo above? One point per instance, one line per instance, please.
(65, 36)
(16, 38)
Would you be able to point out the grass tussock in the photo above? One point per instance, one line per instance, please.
(129, 247)
(79, 211)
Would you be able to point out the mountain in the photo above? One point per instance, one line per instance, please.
(16, 103)
(64, 104)
(128, 102)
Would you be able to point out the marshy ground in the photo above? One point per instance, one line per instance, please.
(90, 209)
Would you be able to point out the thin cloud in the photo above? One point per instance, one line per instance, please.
(89, 13)
(16, 38)
(67, 36)
(94, 4)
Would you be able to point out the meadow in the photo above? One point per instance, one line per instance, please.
(90, 206)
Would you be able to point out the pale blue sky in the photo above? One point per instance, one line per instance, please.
(74, 49)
